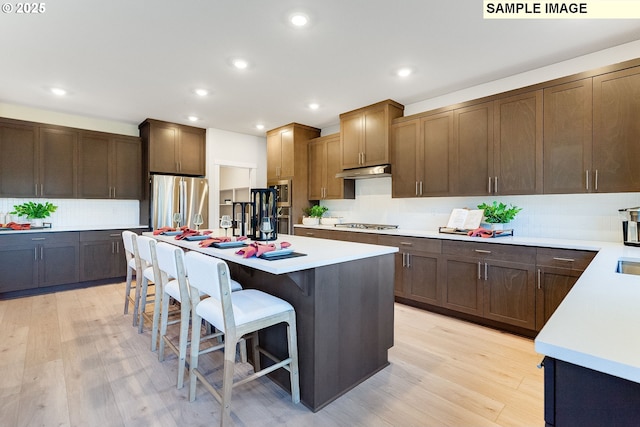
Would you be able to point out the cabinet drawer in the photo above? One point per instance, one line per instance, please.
(523, 254)
(564, 258)
(412, 243)
(27, 238)
(92, 236)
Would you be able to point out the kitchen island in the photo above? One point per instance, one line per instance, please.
(343, 296)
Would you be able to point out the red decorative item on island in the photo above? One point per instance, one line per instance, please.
(256, 249)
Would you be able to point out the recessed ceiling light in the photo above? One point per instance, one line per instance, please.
(299, 19)
(193, 118)
(260, 126)
(314, 106)
(240, 64)
(58, 91)
(404, 72)
(202, 92)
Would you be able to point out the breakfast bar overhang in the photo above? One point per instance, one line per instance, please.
(342, 293)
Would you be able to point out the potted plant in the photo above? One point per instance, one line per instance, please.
(35, 212)
(498, 214)
(313, 214)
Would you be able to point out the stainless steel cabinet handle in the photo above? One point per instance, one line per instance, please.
(596, 181)
(114, 192)
(41, 252)
(563, 259)
(114, 235)
(489, 188)
(587, 178)
(416, 188)
(403, 259)
(310, 234)
(479, 273)
(38, 238)
(421, 188)
(42, 189)
(486, 274)
(495, 184)
(36, 185)
(539, 284)
(35, 254)
(406, 243)
(482, 251)
(408, 260)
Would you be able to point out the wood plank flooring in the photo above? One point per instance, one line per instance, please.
(73, 359)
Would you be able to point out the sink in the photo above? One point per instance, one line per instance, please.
(629, 266)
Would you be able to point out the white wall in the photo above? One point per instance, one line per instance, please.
(571, 216)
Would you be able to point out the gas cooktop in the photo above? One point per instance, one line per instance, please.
(366, 226)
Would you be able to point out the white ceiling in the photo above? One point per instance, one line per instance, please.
(127, 60)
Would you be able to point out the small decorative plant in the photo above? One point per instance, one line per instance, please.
(499, 213)
(34, 210)
(315, 211)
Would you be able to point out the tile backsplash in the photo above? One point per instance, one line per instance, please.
(83, 212)
(566, 216)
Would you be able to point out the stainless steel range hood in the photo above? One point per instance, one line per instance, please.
(368, 172)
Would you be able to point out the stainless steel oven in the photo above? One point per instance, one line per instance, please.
(283, 203)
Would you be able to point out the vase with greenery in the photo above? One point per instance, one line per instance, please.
(35, 212)
(313, 214)
(499, 213)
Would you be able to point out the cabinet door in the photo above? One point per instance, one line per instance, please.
(18, 267)
(404, 159)
(163, 142)
(58, 162)
(274, 156)
(400, 285)
(336, 188)
(517, 164)
(473, 156)
(351, 134)
(191, 158)
(553, 286)
(287, 154)
(19, 160)
(317, 168)
(462, 289)
(58, 262)
(97, 260)
(376, 138)
(509, 293)
(421, 277)
(567, 136)
(616, 151)
(127, 168)
(94, 167)
(435, 154)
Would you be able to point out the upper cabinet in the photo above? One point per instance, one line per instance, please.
(420, 156)
(41, 160)
(174, 149)
(324, 164)
(616, 133)
(109, 166)
(364, 134)
(567, 137)
(287, 151)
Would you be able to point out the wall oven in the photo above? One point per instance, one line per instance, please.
(283, 204)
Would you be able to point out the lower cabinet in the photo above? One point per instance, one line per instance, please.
(33, 260)
(493, 281)
(101, 255)
(416, 268)
(508, 285)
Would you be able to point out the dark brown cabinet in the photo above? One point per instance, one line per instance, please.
(567, 137)
(33, 260)
(364, 134)
(616, 112)
(420, 156)
(58, 162)
(492, 281)
(109, 166)
(19, 164)
(101, 255)
(517, 140)
(173, 148)
(557, 271)
(324, 164)
(416, 268)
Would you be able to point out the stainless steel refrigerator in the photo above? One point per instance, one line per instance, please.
(178, 194)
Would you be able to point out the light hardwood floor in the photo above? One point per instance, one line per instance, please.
(73, 359)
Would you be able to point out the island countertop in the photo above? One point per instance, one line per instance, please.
(318, 253)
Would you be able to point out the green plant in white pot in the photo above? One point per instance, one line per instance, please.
(35, 212)
(313, 214)
(498, 214)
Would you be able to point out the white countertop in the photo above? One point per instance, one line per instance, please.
(319, 252)
(597, 325)
(75, 228)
